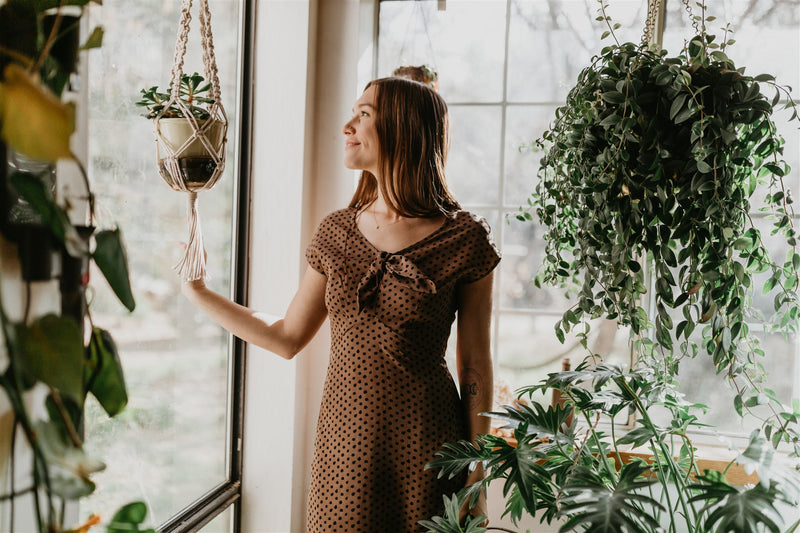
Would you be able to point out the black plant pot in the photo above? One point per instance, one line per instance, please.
(19, 223)
(38, 253)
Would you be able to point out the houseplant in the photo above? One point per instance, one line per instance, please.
(51, 356)
(174, 125)
(645, 190)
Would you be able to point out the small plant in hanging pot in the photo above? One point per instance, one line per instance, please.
(178, 122)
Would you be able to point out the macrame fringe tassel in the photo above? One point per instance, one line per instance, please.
(193, 264)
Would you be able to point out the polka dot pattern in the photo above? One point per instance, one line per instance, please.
(389, 401)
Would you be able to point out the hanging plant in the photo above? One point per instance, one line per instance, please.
(645, 192)
(191, 132)
(51, 353)
(650, 166)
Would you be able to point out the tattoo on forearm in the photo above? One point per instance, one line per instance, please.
(471, 388)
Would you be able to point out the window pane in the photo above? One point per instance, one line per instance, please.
(777, 20)
(550, 42)
(523, 253)
(464, 43)
(700, 382)
(529, 349)
(524, 124)
(473, 166)
(170, 446)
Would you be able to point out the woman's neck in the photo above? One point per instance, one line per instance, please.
(382, 214)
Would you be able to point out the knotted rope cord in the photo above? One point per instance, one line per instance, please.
(695, 25)
(193, 264)
(209, 62)
(653, 7)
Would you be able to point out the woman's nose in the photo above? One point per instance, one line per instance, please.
(347, 129)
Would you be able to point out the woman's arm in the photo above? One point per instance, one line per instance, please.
(284, 336)
(474, 361)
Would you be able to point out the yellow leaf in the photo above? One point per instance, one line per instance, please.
(34, 122)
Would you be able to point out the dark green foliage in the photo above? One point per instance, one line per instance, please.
(738, 509)
(192, 94)
(129, 518)
(449, 523)
(591, 505)
(111, 259)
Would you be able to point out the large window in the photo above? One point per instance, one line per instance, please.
(173, 444)
(504, 66)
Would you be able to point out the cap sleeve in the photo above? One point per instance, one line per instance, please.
(314, 249)
(483, 255)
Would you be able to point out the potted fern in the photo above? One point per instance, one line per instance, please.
(645, 190)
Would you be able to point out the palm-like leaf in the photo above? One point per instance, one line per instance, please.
(539, 421)
(592, 505)
(449, 523)
(737, 509)
(453, 459)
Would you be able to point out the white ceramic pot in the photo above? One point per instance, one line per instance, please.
(193, 167)
(175, 132)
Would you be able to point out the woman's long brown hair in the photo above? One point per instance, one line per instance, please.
(414, 135)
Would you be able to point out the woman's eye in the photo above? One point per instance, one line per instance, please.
(364, 114)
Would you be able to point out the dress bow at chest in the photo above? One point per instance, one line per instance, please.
(401, 269)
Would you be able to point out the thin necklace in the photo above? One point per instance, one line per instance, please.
(378, 226)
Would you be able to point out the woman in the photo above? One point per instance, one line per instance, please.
(391, 272)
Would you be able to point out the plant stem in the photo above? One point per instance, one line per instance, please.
(73, 434)
(51, 38)
(89, 194)
(667, 456)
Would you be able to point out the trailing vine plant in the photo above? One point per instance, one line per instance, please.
(645, 191)
(51, 354)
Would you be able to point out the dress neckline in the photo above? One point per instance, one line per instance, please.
(426, 238)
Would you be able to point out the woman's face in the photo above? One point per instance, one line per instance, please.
(361, 147)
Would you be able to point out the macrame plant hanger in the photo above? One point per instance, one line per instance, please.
(418, 13)
(196, 161)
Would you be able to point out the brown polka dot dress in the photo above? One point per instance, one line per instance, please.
(389, 401)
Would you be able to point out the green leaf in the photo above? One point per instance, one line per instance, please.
(732, 508)
(677, 104)
(70, 466)
(590, 505)
(613, 97)
(704, 167)
(684, 115)
(51, 350)
(105, 378)
(95, 40)
(450, 522)
(128, 518)
(111, 259)
(34, 191)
